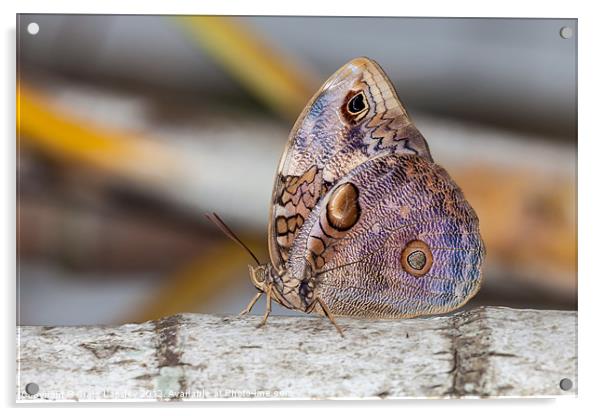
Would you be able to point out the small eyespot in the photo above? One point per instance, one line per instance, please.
(416, 258)
(357, 103)
(355, 107)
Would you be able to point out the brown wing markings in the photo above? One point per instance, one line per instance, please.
(288, 225)
(316, 244)
(286, 236)
(297, 195)
(292, 183)
(319, 252)
(281, 225)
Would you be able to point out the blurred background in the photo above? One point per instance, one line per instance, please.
(130, 128)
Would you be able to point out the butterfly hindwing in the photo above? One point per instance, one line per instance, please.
(393, 238)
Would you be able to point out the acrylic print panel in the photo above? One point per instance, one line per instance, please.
(401, 193)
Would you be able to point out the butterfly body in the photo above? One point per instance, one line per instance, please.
(363, 223)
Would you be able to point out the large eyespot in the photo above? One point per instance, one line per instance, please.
(416, 258)
(343, 209)
(357, 103)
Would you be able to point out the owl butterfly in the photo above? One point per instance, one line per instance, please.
(363, 223)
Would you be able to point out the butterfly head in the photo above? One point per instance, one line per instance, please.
(259, 275)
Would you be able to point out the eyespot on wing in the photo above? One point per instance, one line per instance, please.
(417, 258)
(343, 209)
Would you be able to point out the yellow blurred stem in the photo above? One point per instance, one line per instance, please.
(283, 85)
(198, 282)
(43, 125)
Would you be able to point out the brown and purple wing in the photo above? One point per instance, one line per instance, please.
(355, 116)
(393, 238)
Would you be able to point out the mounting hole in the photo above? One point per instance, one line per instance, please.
(32, 389)
(33, 28)
(566, 32)
(566, 384)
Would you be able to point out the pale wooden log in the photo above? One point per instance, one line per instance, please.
(482, 352)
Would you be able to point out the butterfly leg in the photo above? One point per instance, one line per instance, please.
(327, 312)
(251, 304)
(268, 306)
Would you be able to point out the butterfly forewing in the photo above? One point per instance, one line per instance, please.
(355, 116)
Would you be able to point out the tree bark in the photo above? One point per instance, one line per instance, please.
(482, 352)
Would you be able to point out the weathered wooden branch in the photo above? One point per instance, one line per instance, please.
(481, 352)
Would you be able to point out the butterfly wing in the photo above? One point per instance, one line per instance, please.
(354, 116)
(393, 238)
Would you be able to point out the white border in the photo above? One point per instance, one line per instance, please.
(458, 8)
(590, 137)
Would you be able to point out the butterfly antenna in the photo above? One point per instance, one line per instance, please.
(215, 219)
